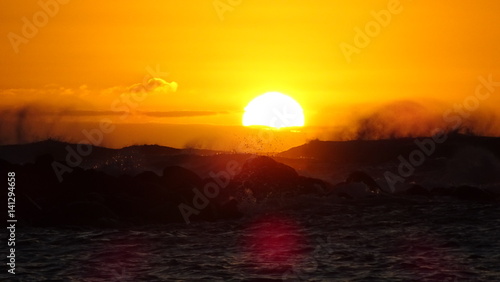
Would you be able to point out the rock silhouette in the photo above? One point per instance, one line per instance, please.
(89, 195)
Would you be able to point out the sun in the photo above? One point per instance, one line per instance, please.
(273, 109)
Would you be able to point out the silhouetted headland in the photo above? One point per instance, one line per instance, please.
(154, 184)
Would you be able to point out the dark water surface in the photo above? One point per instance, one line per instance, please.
(355, 241)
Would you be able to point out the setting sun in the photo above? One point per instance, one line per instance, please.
(273, 109)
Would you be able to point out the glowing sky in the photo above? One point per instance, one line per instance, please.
(82, 57)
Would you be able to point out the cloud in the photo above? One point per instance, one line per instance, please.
(82, 98)
(28, 115)
(155, 85)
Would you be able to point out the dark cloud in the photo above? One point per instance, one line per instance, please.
(183, 113)
(82, 113)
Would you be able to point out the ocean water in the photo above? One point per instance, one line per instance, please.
(309, 239)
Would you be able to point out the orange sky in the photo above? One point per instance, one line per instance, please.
(68, 73)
